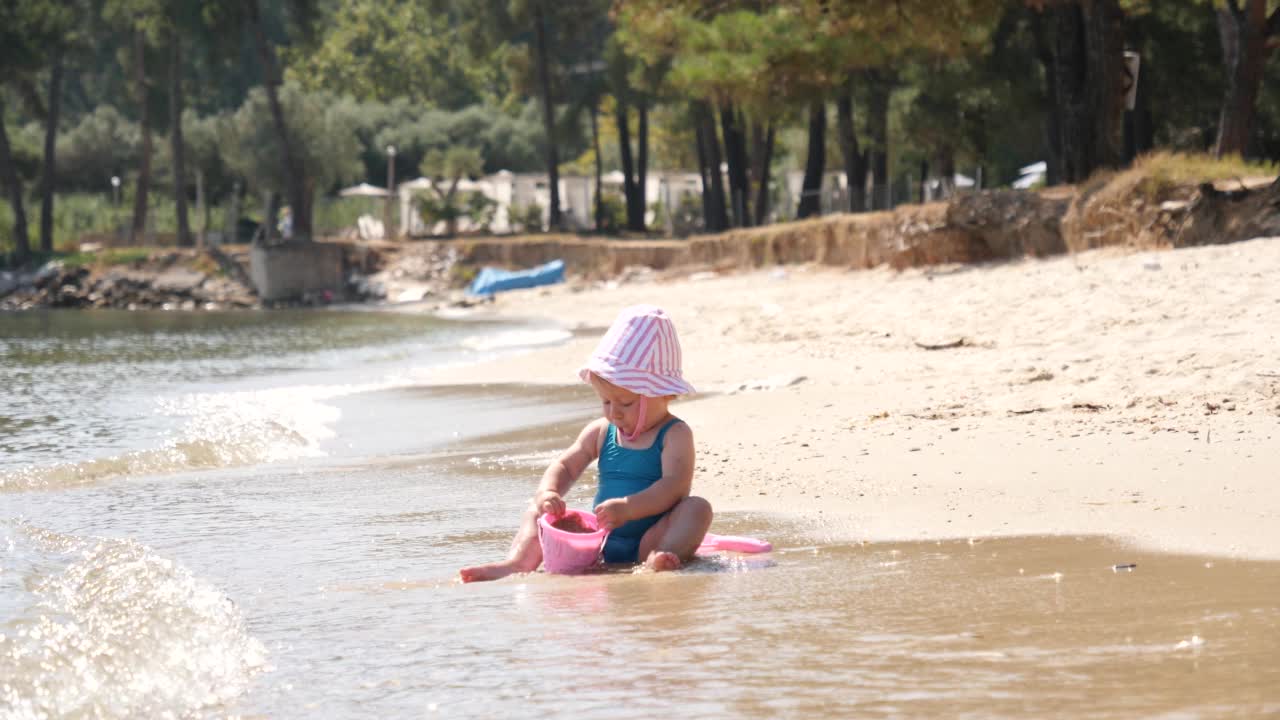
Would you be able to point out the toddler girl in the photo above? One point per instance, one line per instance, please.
(646, 456)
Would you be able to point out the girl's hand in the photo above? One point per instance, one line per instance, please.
(550, 502)
(612, 514)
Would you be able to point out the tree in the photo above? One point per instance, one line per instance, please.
(634, 84)
(227, 19)
(29, 31)
(48, 176)
(321, 136)
(1082, 50)
(446, 168)
(97, 147)
(1246, 33)
(183, 20)
(142, 21)
(542, 58)
(384, 50)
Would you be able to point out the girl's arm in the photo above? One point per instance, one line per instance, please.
(565, 470)
(671, 488)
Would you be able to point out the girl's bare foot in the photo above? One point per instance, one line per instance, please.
(492, 571)
(660, 561)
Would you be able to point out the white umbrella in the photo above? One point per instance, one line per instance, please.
(363, 190)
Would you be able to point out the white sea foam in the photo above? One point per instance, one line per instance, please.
(115, 630)
(515, 339)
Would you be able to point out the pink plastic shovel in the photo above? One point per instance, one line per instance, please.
(733, 543)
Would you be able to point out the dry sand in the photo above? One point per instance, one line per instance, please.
(1135, 395)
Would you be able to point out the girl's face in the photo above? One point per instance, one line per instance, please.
(620, 407)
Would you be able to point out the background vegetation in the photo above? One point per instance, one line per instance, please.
(201, 108)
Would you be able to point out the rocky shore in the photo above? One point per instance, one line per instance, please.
(214, 279)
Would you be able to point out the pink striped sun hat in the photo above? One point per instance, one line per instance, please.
(640, 353)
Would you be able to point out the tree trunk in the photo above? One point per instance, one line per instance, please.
(179, 151)
(815, 162)
(703, 163)
(1042, 23)
(855, 160)
(1085, 49)
(49, 175)
(548, 114)
(141, 191)
(717, 218)
(628, 163)
(762, 141)
(642, 170)
(298, 185)
(1139, 129)
(878, 125)
(924, 180)
(735, 150)
(9, 174)
(202, 208)
(1104, 48)
(1243, 34)
(946, 171)
(270, 211)
(598, 214)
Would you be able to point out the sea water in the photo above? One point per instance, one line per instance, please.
(263, 514)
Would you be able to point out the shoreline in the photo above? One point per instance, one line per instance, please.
(1105, 393)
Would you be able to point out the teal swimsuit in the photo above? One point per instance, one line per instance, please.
(624, 472)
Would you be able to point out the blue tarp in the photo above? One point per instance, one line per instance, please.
(492, 280)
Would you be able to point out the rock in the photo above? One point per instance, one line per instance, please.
(9, 282)
(1011, 223)
(179, 280)
(47, 273)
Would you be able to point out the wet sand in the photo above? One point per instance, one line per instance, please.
(1027, 626)
(1129, 395)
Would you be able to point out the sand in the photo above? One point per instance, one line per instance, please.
(1131, 395)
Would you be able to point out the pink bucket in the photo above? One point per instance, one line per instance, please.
(566, 552)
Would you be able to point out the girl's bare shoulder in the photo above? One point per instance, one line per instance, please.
(680, 434)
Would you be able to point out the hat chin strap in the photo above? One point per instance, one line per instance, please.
(639, 428)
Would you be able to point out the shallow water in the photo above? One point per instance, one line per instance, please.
(322, 584)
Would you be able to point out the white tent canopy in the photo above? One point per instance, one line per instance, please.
(363, 190)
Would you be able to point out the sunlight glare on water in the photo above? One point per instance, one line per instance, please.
(322, 581)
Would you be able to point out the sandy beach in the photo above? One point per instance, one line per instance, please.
(1135, 395)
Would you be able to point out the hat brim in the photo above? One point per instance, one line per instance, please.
(640, 382)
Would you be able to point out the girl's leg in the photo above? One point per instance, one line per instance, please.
(525, 555)
(673, 540)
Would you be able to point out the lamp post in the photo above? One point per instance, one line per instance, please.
(115, 200)
(391, 189)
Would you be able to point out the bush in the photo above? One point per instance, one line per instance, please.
(104, 143)
(528, 218)
(613, 213)
(475, 207)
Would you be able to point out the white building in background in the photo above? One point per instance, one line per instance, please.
(664, 192)
(515, 191)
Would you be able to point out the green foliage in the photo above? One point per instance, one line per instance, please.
(449, 209)
(528, 218)
(503, 141)
(101, 145)
(386, 50)
(106, 258)
(613, 213)
(325, 138)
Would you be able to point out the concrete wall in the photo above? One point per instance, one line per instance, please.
(287, 271)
